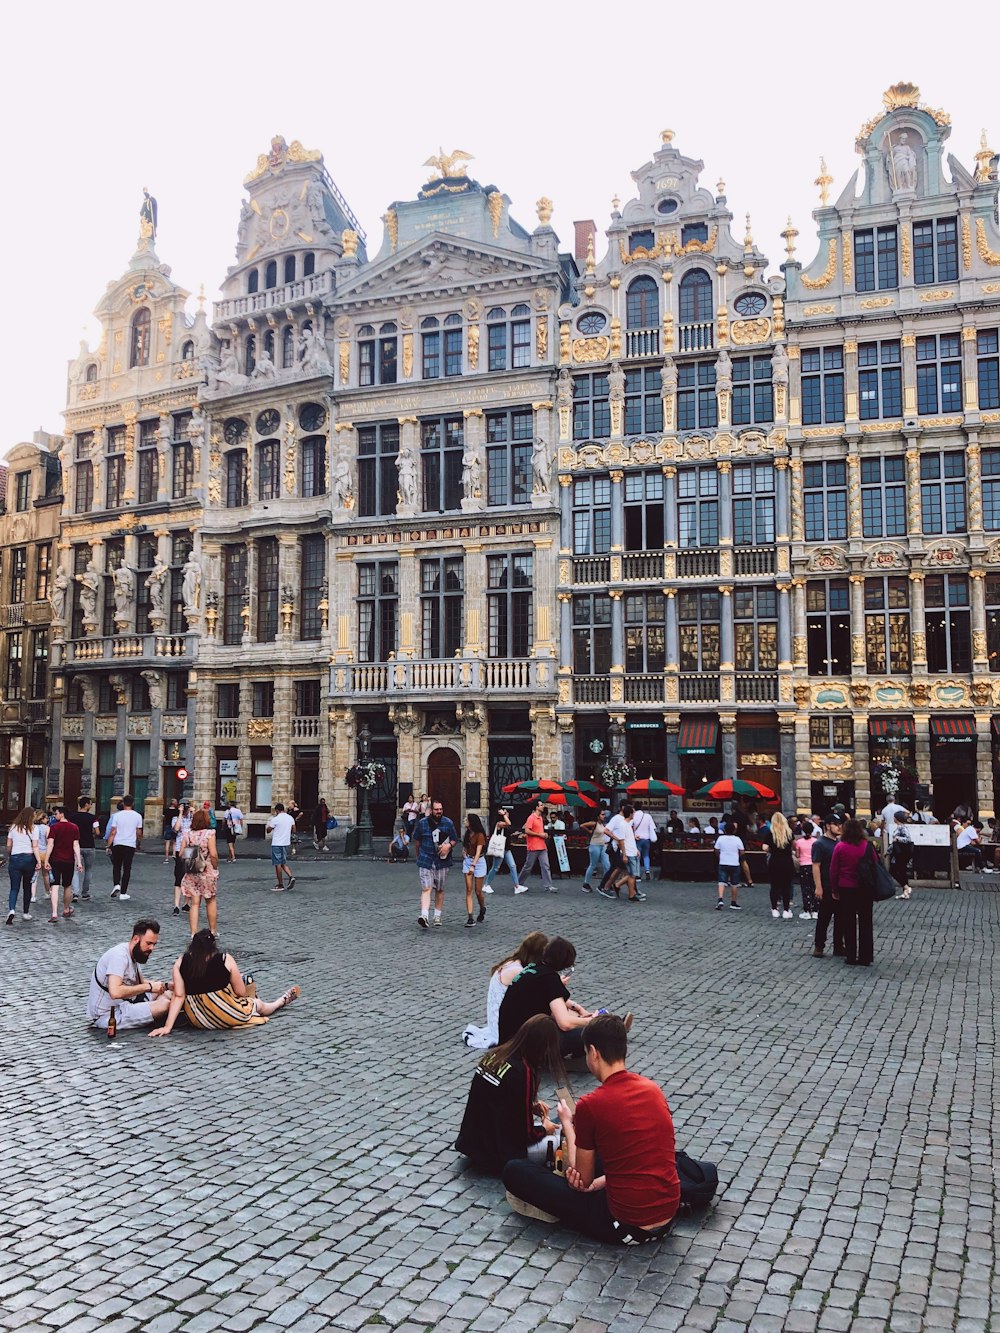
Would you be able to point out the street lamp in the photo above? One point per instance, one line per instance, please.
(616, 747)
(365, 819)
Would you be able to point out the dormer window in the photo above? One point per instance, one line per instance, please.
(289, 268)
(253, 281)
(640, 240)
(694, 231)
(187, 352)
(139, 346)
(666, 206)
(309, 265)
(91, 375)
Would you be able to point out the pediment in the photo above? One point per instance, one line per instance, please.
(440, 263)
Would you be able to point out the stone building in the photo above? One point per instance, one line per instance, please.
(30, 503)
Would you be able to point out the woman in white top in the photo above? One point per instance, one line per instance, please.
(42, 873)
(528, 951)
(502, 829)
(24, 858)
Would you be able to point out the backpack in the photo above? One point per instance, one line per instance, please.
(699, 1182)
(195, 861)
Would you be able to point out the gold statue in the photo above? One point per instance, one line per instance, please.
(824, 180)
(789, 235)
(349, 240)
(544, 210)
(984, 160)
(444, 163)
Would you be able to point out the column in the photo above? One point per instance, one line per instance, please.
(784, 626)
(250, 596)
(727, 672)
(474, 440)
(564, 675)
(984, 766)
(974, 483)
(409, 604)
(617, 524)
(794, 388)
(545, 573)
(163, 479)
(859, 660)
(475, 599)
(565, 511)
(671, 668)
(725, 519)
(795, 508)
(862, 768)
(542, 425)
(977, 587)
(206, 780)
(288, 583)
(781, 525)
(854, 529)
(567, 759)
(671, 722)
(670, 500)
(850, 381)
(282, 768)
(617, 646)
(970, 372)
(789, 770)
(909, 342)
(409, 443)
(913, 517)
(97, 454)
(918, 635)
(922, 747)
(800, 644)
(727, 723)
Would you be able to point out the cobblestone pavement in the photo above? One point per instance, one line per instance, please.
(301, 1176)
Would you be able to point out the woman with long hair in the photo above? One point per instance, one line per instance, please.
(24, 858)
(200, 858)
(504, 1119)
(474, 866)
(854, 903)
(213, 993)
(41, 875)
(802, 854)
(780, 864)
(530, 950)
(502, 829)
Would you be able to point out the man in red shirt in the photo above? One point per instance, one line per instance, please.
(64, 858)
(538, 850)
(623, 1128)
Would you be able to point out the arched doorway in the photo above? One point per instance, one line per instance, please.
(444, 782)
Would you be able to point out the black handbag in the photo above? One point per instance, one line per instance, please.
(872, 875)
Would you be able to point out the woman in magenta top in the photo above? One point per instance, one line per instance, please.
(853, 902)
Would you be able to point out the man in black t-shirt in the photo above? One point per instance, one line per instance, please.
(83, 818)
(822, 853)
(540, 988)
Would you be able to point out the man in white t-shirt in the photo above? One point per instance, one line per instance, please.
(124, 840)
(234, 827)
(731, 850)
(645, 835)
(622, 834)
(281, 826)
(967, 840)
(116, 982)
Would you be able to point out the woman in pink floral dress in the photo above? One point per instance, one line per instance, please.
(202, 883)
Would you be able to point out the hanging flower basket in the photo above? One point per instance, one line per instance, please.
(367, 774)
(617, 773)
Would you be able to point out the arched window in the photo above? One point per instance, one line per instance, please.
(91, 374)
(253, 281)
(250, 359)
(271, 274)
(642, 305)
(269, 343)
(287, 347)
(695, 297)
(187, 351)
(289, 268)
(309, 265)
(139, 353)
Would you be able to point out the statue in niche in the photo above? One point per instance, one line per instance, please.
(313, 354)
(343, 484)
(196, 427)
(406, 464)
(90, 582)
(88, 690)
(229, 370)
(59, 594)
(539, 467)
(191, 585)
(901, 163)
(564, 389)
(472, 482)
(157, 585)
(616, 381)
(779, 364)
(155, 682)
(723, 370)
(124, 584)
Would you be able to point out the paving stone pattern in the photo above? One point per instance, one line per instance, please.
(301, 1175)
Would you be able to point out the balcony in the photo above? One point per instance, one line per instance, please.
(697, 564)
(699, 688)
(462, 675)
(592, 689)
(129, 648)
(305, 289)
(227, 728)
(644, 689)
(696, 337)
(592, 569)
(305, 728)
(644, 565)
(640, 343)
(757, 687)
(754, 560)
(12, 615)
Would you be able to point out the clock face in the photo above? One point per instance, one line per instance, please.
(312, 416)
(236, 430)
(752, 303)
(267, 422)
(596, 745)
(592, 322)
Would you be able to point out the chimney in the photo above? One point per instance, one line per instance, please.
(584, 232)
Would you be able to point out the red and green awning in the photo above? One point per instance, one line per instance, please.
(697, 736)
(953, 728)
(891, 726)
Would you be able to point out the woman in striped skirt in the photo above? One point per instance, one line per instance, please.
(209, 987)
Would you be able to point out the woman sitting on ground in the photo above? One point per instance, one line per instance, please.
(504, 1119)
(210, 989)
(528, 951)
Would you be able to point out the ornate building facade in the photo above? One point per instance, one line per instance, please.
(496, 509)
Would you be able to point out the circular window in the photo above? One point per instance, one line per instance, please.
(268, 422)
(667, 206)
(592, 322)
(752, 303)
(312, 416)
(235, 430)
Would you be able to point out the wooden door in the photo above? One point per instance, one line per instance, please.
(72, 777)
(444, 783)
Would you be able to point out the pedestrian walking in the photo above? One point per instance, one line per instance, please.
(41, 876)
(538, 850)
(280, 827)
(499, 852)
(200, 855)
(622, 834)
(64, 860)
(169, 834)
(234, 827)
(321, 816)
(88, 827)
(597, 850)
(295, 810)
(474, 866)
(828, 907)
(856, 902)
(730, 849)
(645, 835)
(435, 837)
(123, 841)
(23, 859)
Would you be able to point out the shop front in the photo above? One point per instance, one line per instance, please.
(892, 760)
(953, 765)
(700, 756)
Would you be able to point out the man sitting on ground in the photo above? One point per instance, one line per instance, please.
(625, 1127)
(118, 984)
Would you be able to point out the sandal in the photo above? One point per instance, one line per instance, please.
(290, 995)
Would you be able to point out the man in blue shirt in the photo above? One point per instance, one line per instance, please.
(434, 837)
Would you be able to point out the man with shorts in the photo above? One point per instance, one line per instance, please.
(84, 820)
(117, 983)
(64, 859)
(435, 836)
(280, 827)
(622, 834)
(730, 848)
(234, 827)
(123, 841)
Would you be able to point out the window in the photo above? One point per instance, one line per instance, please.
(313, 466)
(268, 476)
(234, 563)
(989, 368)
(39, 664)
(753, 397)
(307, 698)
(237, 479)
(263, 698)
(312, 578)
(828, 627)
(430, 347)
(592, 516)
(698, 622)
(831, 731)
(91, 374)
(83, 498)
(81, 559)
(43, 570)
(880, 379)
(825, 501)
(694, 231)
(697, 507)
(250, 356)
(149, 462)
(640, 240)
(177, 692)
(508, 341)
(187, 351)
(642, 304)
(695, 297)
(509, 581)
(508, 457)
(992, 583)
(180, 548)
(441, 462)
(753, 504)
(378, 610)
(115, 466)
(755, 613)
(287, 348)
(942, 493)
(591, 634)
(253, 282)
(15, 665)
(442, 583)
(270, 275)
(883, 497)
(822, 385)
(946, 620)
(140, 338)
(261, 770)
(643, 402)
(107, 698)
(645, 633)
(591, 409)
(18, 574)
(267, 590)
(887, 624)
(935, 251)
(378, 478)
(644, 511)
(145, 560)
(140, 702)
(227, 700)
(991, 489)
(183, 469)
(289, 275)
(22, 492)
(377, 355)
(308, 265)
(876, 262)
(939, 373)
(696, 403)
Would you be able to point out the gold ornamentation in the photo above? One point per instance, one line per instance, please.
(876, 303)
(694, 247)
(260, 728)
(494, 201)
(564, 351)
(587, 350)
(281, 153)
(616, 338)
(880, 427)
(968, 334)
(345, 362)
(941, 294)
(391, 220)
(984, 160)
(349, 240)
(543, 209)
(473, 341)
(987, 255)
(789, 235)
(443, 166)
(747, 332)
(901, 94)
(990, 287)
(291, 451)
(828, 274)
(407, 355)
(966, 242)
(542, 338)
(906, 245)
(909, 340)
(827, 309)
(981, 692)
(824, 180)
(979, 644)
(845, 257)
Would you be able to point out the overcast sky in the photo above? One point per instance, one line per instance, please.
(556, 99)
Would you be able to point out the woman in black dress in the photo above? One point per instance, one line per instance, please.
(780, 864)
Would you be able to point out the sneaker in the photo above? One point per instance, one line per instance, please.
(628, 1020)
(719, 905)
(85, 897)
(10, 918)
(814, 916)
(787, 916)
(487, 889)
(818, 953)
(437, 921)
(481, 917)
(76, 897)
(529, 1209)
(469, 921)
(278, 888)
(520, 888)
(291, 883)
(124, 897)
(422, 922)
(586, 888)
(177, 911)
(607, 893)
(805, 916)
(775, 912)
(638, 897)
(552, 889)
(738, 907)
(25, 916)
(648, 877)
(166, 860)
(116, 891)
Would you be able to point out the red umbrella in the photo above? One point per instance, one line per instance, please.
(581, 784)
(654, 787)
(529, 786)
(728, 788)
(576, 798)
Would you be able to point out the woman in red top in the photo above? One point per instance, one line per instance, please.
(854, 902)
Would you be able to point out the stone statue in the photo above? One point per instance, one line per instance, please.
(157, 585)
(58, 595)
(90, 582)
(155, 682)
(264, 369)
(229, 373)
(406, 464)
(191, 585)
(779, 364)
(124, 583)
(343, 484)
(88, 689)
(313, 353)
(539, 467)
(472, 485)
(196, 427)
(723, 370)
(564, 389)
(902, 164)
(147, 216)
(616, 381)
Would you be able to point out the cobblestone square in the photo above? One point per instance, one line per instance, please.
(301, 1176)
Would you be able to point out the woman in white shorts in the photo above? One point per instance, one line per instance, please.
(474, 866)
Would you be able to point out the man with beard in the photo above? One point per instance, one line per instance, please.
(434, 836)
(118, 984)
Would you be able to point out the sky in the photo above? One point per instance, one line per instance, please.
(555, 99)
